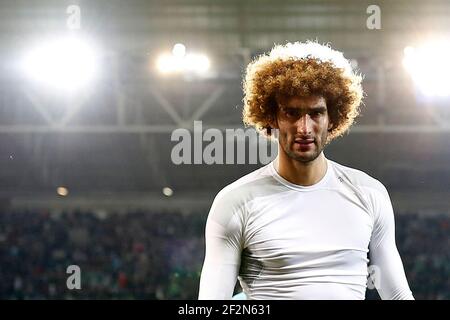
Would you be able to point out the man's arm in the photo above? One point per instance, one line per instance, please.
(383, 253)
(223, 237)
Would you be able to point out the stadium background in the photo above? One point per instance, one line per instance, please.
(132, 220)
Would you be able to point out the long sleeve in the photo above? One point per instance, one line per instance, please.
(385, 259)
(223, 237)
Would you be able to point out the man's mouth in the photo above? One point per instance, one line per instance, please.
(304, 142)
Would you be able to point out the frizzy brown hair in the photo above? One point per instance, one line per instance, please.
(301, 69)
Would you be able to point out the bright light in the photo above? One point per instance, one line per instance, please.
(180, 62)
(62, 191)
(67, 63)
(167, 191)
(179, 50)
(197, 62)
(167, 63)
(429, 67)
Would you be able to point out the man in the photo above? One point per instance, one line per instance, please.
(302, 227)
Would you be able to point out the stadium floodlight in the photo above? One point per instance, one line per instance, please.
(62, 191)
(168, 63)
(197, 62)
(180, 62)
(179, 50)
(429, 66)
(66, 63)
(168, 192)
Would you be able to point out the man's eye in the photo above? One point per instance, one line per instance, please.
(291, 113)
(317, 113)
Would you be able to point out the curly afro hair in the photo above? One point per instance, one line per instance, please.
(301, 69)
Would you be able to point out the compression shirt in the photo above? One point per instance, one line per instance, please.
(286, 241)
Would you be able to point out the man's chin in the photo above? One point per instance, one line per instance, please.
(303, 156)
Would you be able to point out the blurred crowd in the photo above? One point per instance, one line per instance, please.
(144, 255)
(424, 245)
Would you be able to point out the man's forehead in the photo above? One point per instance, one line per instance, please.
(302, 102)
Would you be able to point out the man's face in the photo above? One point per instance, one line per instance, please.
(303, 125)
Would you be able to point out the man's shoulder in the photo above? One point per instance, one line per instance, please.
(359, 178)
(246, 187)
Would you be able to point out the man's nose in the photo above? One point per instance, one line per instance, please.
(304, 125)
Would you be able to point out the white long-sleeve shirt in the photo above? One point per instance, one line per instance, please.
(285, 241)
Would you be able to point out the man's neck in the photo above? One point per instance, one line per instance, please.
(304, 174)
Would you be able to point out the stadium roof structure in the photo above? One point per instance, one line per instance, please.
(113, 138)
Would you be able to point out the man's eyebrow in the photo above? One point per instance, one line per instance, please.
(319, 108)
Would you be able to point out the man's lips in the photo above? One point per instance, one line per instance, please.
(304, 141)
